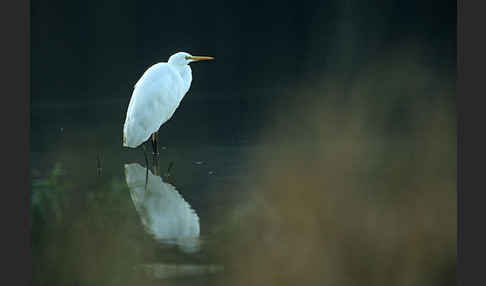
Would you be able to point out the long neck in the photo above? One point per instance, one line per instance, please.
(186, 74)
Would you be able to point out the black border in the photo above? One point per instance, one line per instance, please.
(460, 128)
(15, 28)
(471, 142)
(15, 131)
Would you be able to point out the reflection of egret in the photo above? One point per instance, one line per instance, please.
(155, 98)
(163, 211)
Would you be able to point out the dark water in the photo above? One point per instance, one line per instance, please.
(91, 224)
(318, 195)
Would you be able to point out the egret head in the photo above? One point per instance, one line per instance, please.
(182, 58)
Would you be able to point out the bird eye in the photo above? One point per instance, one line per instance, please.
(186, 57)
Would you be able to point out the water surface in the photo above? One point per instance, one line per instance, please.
(340, 192)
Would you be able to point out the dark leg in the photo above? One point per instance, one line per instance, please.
(155, 165)
(144, 150)
(146, 178)
(154, 143)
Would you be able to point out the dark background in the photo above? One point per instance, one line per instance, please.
(394, 137)
(99, 49)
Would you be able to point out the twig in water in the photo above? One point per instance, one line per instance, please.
(99, 167)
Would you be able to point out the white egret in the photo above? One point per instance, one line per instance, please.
(155, 98)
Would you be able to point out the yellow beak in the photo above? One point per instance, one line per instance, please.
(200, 58)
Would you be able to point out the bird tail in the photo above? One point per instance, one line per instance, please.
(125, 136)
(129, 137)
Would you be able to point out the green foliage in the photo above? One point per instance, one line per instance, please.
(47, 197)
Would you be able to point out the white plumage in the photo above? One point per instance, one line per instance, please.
(156, 96)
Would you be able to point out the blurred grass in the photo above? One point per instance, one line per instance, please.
(356, 185)
(81, 233)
